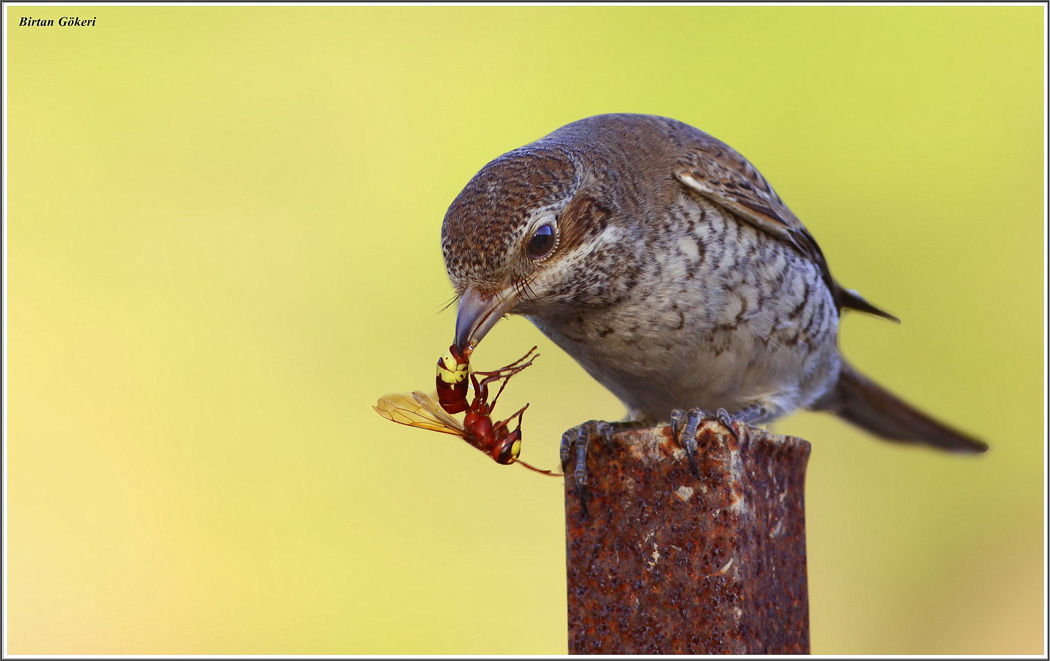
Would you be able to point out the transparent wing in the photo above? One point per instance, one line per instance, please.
(417, 409)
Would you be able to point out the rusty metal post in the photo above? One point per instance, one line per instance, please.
(668, 563)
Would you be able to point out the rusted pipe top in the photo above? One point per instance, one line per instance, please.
(668, 562)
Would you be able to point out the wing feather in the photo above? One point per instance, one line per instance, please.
(721, 175)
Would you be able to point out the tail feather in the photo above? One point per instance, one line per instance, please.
(861, 401)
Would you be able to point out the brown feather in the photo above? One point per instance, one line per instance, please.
(722, 176)
(861, 401)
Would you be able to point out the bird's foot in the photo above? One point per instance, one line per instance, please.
(574, 445)
(685, 423)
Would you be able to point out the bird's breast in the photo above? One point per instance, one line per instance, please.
(717, 315)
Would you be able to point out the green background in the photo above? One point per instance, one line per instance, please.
(223, 229)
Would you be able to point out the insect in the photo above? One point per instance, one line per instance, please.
(496, 439)
(452, 371)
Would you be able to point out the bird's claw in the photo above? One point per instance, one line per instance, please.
(727, 421)
(686, 435)
(576, 441)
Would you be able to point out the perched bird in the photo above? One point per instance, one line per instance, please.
(663, 262)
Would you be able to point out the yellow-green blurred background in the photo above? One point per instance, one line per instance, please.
(223, 229)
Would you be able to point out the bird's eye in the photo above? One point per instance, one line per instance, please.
(542, 242)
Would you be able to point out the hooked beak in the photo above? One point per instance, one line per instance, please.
(478, 313)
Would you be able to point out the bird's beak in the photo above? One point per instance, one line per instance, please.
(478, 313)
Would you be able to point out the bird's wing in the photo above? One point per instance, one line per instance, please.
(722, 176)
(417, 409)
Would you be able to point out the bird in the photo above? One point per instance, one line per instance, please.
(664, 264)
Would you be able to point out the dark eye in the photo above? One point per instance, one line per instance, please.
(542, 242)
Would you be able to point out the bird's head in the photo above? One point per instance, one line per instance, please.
(517, 236)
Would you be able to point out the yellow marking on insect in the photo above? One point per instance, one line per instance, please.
(451, 376)
(515, 449)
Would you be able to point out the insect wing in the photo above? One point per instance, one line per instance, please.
(417, 409)
(432, 406)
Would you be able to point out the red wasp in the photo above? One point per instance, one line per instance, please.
(452, 371)
(495, 439)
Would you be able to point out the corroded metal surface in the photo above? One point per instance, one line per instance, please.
(668, 563)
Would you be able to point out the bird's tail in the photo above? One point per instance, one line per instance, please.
(861, 401)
